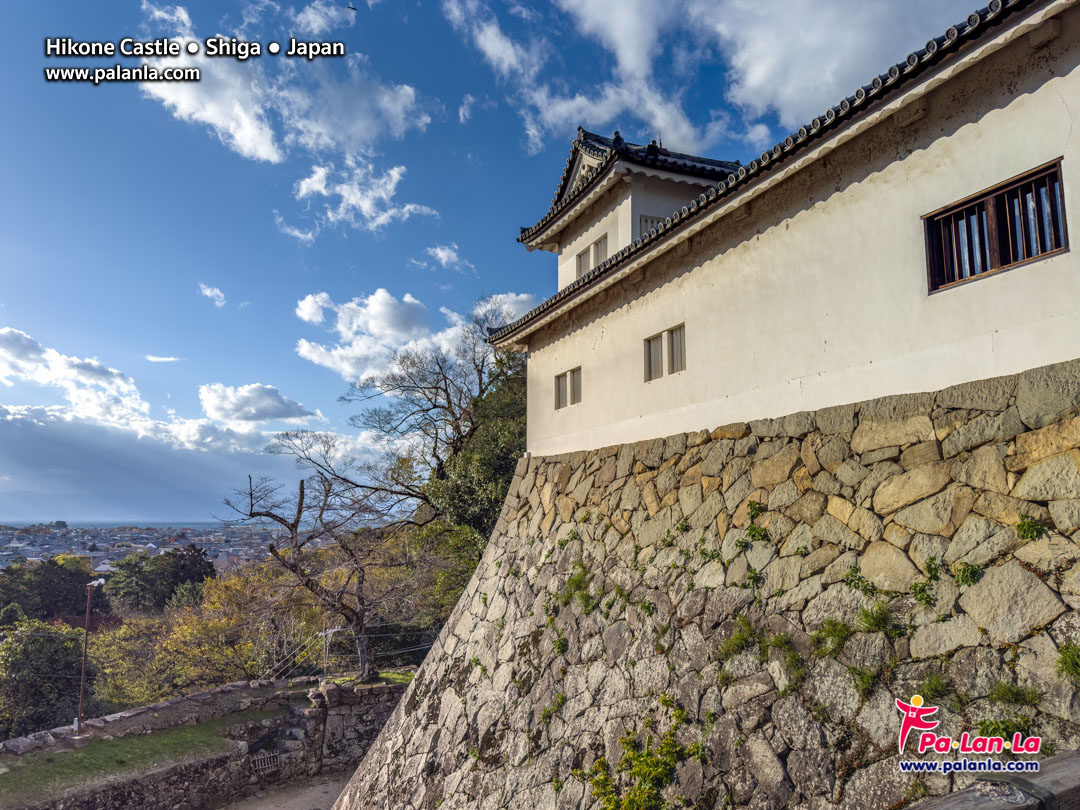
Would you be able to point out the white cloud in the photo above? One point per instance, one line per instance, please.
(448, 258)
(789, 58)
(798, 58)
(358, 195)
(228, 98)
(250, 403)
(368, 331)
(307, 237)
(323, 16)
(514, 305)
(214, 294)
(156, 358)
(310, 307)
(465, 110)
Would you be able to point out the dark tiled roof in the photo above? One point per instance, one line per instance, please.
(979, 25)
(609, 150)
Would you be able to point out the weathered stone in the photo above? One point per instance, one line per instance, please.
(1045, 394)
(816, 561)
(870, 435)
(940, 514)
(851, 472)
(839, 508)
(907, 488)
(884, 454)
(879, 719)
(836, 420)
(1065, 514)
(981, 395)
(775, 470)
(1009, 601)
(825, 482)
(888, 567)
(1007, 510)
(883, 784)
(925, 546)
(940, 638)
(832, 452)
(783, 496)
(979, 541)
(1048, 552)
(1051, 440)
(808, 508)
(783, 573)
(869, 651)
(830, 684)
(795, 723)
(983, 429)
(897, 535)
(896, 407)
(984, 470)
(736, 430)
(1055, 478)
(975, 671)
(811, 772)
(1070, 588)
(1036, 665)
(837, 602)
(830, 530)
(922, 453)
(838, 568)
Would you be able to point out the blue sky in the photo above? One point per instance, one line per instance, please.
(186, 268)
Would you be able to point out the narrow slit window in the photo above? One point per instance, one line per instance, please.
(1015, 222)
(654, 357)
(599, 250)
(677, 349)
(561, 392)
(583, 263)
(568, 388)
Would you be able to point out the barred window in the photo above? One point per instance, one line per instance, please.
(654, 357)
(1020, 220)
(677, 349)
(583, 265)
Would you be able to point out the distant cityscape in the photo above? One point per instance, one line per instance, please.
(103, 544)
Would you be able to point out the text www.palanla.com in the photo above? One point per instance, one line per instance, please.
(965, 765)
(119, 73)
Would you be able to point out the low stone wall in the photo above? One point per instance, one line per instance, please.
(322, 730)
(762, 594)
(199, 707)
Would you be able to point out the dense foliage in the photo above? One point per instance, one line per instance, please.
(140, 583)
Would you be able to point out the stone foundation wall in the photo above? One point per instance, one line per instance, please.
(762, 592)
(326, 729)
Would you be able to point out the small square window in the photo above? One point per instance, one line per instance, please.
(654, 357)
(568, 388)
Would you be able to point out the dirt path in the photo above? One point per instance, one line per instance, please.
(316, 793)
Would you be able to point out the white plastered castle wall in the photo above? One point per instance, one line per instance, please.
(818, 294)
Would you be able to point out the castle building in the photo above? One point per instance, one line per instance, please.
(911, 237)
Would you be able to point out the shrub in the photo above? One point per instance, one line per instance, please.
(1029, 529)
(876, 619)
(967, 574)
(830, 638)
(1004, 692)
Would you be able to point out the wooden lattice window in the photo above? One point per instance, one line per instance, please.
(1021, 220)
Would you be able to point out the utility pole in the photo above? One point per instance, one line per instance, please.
(86, 644)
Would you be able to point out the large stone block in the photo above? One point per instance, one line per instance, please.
(1055, 478)
(1009, 601)
(1045, 394)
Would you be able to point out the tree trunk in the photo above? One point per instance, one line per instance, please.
(363, 649)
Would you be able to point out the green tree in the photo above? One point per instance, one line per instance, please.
(140, 583)
(40, 665)
(50, 589)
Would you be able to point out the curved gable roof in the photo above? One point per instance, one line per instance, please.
(608, 151)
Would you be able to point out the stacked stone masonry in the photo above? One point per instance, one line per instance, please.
(767, 589)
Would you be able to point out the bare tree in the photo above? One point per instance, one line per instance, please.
(362, 510)
(338, 542)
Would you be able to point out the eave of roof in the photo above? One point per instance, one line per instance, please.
(609, 151)
(978, 26)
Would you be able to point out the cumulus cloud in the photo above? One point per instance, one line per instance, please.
(157, 358)
(214, 294)
(368, 331)
(785, 59)
(250, 403)
(358, 195)
(448, 258)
